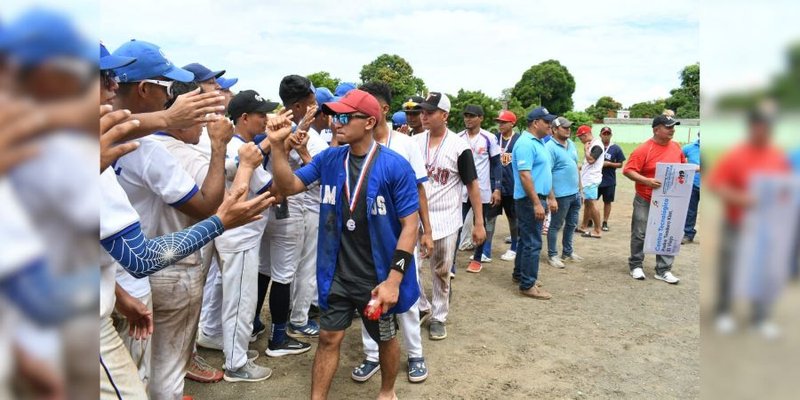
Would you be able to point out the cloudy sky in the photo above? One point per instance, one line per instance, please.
(630, 50)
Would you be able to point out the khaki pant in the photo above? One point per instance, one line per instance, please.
(140, 349)
(118, 376)
(177, 297)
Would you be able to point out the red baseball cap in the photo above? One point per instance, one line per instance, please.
(583, 129)
(507, 116)
(354, 100)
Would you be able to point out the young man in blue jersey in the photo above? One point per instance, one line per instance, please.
(368, 191)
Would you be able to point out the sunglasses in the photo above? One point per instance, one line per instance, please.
(344, 119)
(165, 84)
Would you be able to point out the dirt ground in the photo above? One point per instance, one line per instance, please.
(603, 335)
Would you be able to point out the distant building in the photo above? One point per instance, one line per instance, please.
(623, 114)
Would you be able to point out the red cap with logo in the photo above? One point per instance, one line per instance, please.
(583, 129)
(507, 116)
(354, 100)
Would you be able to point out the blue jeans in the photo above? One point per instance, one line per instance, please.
(691, 215)
(507, 204)
(569, 208)
(529, 245)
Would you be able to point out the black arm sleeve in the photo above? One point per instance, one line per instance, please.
(466, 167)
(495, 173)
(596, 152)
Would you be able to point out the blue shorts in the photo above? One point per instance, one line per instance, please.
(590, 192)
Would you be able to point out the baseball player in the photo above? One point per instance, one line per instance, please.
(450, 166)
(368, 192)
(409, 320)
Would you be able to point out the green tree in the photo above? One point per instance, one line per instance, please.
(398, 74)
(491, 108)
(579, 118)
(647, 109)
(602, 107)
(548, 84)
(324, 79)
(685, 100)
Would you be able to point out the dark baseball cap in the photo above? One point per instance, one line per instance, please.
(473, 109)
(665, 120)
(201, 73)
(540, 113)
(412, 104)
(249, 101)
(436, 101)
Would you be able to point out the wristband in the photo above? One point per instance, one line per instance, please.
(400, 260)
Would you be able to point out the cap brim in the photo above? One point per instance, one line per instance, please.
(179, 74)
(266, 107)
(114, 62)
(673, 123)
(427, 107)
(549, 117)
(569, 125)
(227, 83)
(337, 107)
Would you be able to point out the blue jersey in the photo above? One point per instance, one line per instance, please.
(565, 167)
(506, 148)
(613, 154)
(391, 194)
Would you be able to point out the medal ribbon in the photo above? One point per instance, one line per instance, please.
(428, 165)
(361, 175)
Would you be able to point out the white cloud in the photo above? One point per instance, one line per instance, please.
(627, 50)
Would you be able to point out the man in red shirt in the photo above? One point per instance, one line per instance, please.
(641, 168)
(730, 180)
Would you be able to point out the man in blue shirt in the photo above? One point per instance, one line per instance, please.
(692, 153)
(533, 181)
(608, 186)
(566, 188)
(368, 192)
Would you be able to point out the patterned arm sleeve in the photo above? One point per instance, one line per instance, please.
(142, 257)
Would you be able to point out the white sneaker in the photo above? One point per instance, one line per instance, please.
(509, 255)
(573, 258)
(555, 262)
(667, 277)
(208, 342)
(638, 273)
(484, 259)
(725, 324)
(768, 330)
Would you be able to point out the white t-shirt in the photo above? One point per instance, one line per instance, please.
(20, 244)
(408, 149)
(247, 236)
(195, 162)
(592, 174)
(59, 190)
(484, 146)
(116, 214)
(316, 144)
(155, 184)
(444, 185)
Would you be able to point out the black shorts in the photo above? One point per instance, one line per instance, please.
(607, 193)
(339, 314)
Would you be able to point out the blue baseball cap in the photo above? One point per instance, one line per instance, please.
(540, 113)
(344, 88)
(226, 83)
(324, 95)
(40, 35)
(107, 61)
(399, 118)
(201, 73)
(150, 63)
